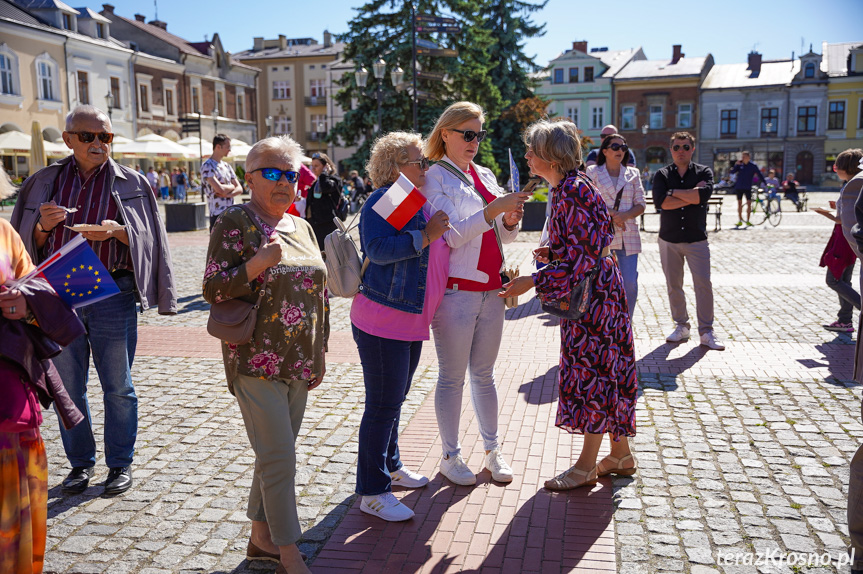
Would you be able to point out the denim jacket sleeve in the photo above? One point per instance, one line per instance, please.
(381, 242)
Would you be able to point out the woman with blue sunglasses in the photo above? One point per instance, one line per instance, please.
(257, 247)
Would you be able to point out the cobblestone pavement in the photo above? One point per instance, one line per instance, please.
(740, 451)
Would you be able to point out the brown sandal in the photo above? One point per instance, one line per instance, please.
(618, 468)
(568, 480)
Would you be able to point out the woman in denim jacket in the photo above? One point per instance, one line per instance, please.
(390, 317)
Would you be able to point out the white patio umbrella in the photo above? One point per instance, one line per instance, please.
(191, 142)
(153, 146)
(53, 149)
(15, 144)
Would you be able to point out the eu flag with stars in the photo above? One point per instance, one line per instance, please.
(513, 174)
(77, 275)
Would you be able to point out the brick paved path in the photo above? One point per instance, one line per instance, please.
(739, 451)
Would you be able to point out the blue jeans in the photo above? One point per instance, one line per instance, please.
(467, 327)
(629, 269)
(112, 335)
(180, 193)
(388, 368)
(165, 191)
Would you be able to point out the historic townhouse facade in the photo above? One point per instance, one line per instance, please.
(843, 64)
(746, 107)
(297, 82)
(203, 82)
(578, 85)
(654, 99)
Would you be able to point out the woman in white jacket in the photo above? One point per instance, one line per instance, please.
(469, 322)
(620, 186)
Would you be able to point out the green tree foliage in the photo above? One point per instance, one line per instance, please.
(510, 25)
(381, 29)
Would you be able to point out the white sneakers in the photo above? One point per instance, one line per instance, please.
(500, 470)
(387, 507)
(679, 334)
(709, 340)
(455, 469)
(408, 479)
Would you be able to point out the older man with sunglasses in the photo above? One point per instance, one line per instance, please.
(90, 188)
(681, 191)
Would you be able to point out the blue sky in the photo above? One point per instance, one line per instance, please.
(728, 29)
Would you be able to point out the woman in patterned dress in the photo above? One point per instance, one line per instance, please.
(597, 382)
(272, 374)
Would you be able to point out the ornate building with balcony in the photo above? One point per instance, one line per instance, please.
(296, 86)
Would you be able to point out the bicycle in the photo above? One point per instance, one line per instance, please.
(769, 205)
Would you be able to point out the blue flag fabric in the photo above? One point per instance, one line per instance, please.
(77, 275)
(513, 174)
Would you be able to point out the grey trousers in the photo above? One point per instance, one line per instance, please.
(849, 298)
(273, 412)
(697, 256)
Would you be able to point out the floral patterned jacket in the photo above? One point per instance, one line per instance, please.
(292, 329)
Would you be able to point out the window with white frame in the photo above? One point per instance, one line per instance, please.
(597, 117)
(100, 31)
(319, 124)
(656, 117)
(572, 114)
(627, 117)
(83, 87)
(241, 104)
(684, 115)
(115, 92)
(281, 90)
(220, 103)
(170, 109)
(46, 76)
(281, 125)
(7, 75)
(196, 99)
(144, 97)
(836, 116)
(317, 89)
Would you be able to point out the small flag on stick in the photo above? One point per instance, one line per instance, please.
(76, 274)
(513, 174)
(400, 203)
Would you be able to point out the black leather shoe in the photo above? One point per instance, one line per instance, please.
(77, 480)
(119, 480)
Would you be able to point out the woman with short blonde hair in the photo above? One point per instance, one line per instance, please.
(388, 153)
(469, 323)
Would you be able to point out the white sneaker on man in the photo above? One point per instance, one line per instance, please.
(456, 470)
(710, 341)
(500, 470)
(408, 479)
(680, 333)
(387, 507)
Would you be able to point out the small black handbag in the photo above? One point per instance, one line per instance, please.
(576, 305)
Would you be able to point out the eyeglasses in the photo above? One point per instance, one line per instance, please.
(470, 134)
(317, 156)
(423, 163)
(87, 137)
(618, 147)
(686, 147)
(275, 174)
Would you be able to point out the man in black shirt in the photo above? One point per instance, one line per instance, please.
(681, 191)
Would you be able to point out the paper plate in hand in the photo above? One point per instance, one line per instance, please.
(93, 227)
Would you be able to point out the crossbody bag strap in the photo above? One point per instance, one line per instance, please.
(250, 213)
(459, 174)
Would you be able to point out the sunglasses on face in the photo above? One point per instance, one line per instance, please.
(686, 147)
(423, 163)
(618, 147)
(275, 174)
(87, 137)
(470, 134)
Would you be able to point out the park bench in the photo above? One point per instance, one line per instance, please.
(714, 207)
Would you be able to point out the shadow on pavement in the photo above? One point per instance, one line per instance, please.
(657, 361)
(541, 390)
(839, 360)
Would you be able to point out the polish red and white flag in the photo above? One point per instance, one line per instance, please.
(400, 202)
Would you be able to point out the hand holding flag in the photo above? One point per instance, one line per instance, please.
(400, 203)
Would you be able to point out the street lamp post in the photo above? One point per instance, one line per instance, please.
(379, 69)
(769, 128)
(268, 121)
(644, 129)
(215, 121)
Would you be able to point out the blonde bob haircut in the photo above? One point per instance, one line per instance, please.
(555, 141)
(283, 147)
(388, 153)
(452, 117)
